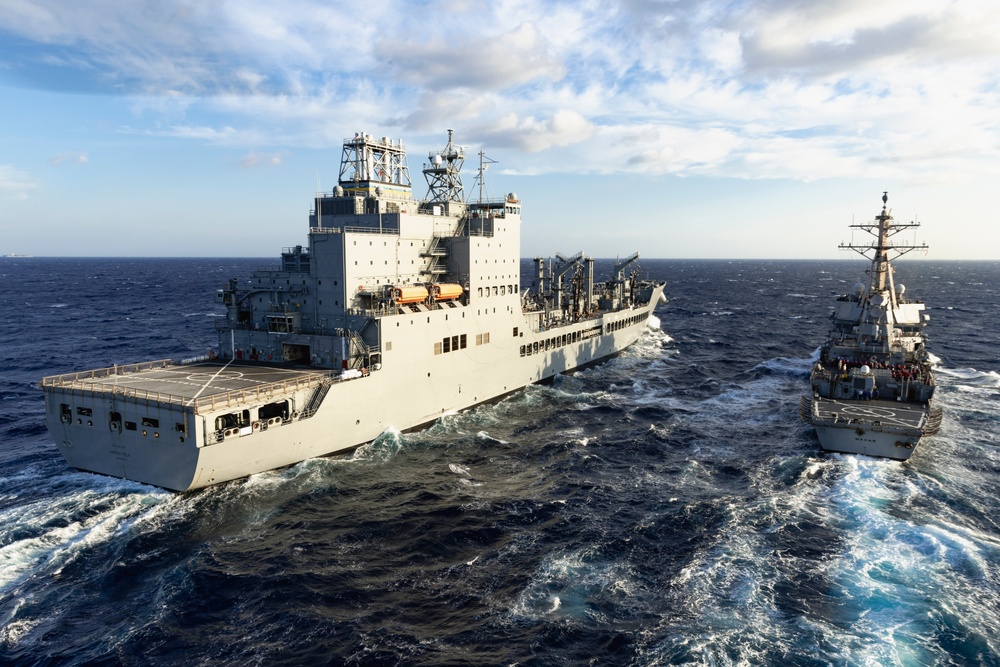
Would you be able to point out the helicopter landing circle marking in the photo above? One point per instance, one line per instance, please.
(865, 411)
(202, 378)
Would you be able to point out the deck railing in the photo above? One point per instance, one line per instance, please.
(83, 382)
(67, 378)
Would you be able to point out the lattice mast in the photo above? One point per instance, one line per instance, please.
(367, 163)
(883, 228)
(444, 180)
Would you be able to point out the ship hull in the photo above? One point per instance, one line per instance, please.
(872, 386)
(182, 448)
(884, 429)
(866, 441)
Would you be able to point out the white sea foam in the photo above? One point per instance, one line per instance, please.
(486, 437)
(790, 365)
(884, 571)
(970, 376)
(567, 586)
(381, 449)
(46, 535)
(12, 633)
(457, 469)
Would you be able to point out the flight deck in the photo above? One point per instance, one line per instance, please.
(201, 384)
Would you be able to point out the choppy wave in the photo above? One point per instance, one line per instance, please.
(665, 507)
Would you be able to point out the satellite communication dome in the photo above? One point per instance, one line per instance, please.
(436, 160)
(859, 288)
(900, 288)
(338, 191)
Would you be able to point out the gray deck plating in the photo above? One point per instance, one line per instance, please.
(187, 384)
(888, 413)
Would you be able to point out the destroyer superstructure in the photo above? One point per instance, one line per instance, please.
(397, 311)
(873, 386)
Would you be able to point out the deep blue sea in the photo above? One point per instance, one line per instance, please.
(665, 508)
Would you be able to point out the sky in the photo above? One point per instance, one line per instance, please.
(678, 128)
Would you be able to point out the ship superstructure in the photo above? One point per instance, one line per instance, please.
(872, 388)
(396, 312)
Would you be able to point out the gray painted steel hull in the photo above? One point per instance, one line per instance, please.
(397, 312)
(401, 396)
(872, 388)
(866, 441)
(887, 429)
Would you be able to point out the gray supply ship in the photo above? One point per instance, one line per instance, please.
(397, 312)
(873, 385)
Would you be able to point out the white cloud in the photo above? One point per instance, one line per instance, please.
(530, 134)
(222, 135)
(16, 183)
(483, 62)
(69, 157)
(848, 35)
(773, 89)
(255, 159)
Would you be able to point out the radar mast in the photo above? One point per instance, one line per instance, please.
(444, 180)
(878, 250)
(368, 163)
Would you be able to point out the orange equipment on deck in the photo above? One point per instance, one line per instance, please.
(446, 291)
(405, 295)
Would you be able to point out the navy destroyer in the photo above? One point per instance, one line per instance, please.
(873, 386)
(398, 311)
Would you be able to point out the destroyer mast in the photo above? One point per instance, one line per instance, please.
(883, 229)
(873, 386)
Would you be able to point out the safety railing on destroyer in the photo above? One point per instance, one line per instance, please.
(82, 382)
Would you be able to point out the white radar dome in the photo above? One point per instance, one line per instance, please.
(900, 288)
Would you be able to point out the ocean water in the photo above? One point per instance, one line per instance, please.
(665, 508)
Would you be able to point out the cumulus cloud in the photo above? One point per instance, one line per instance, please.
(434, 109)
(531, 134)
(771, 89)
(483, 62)
(848, 35)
